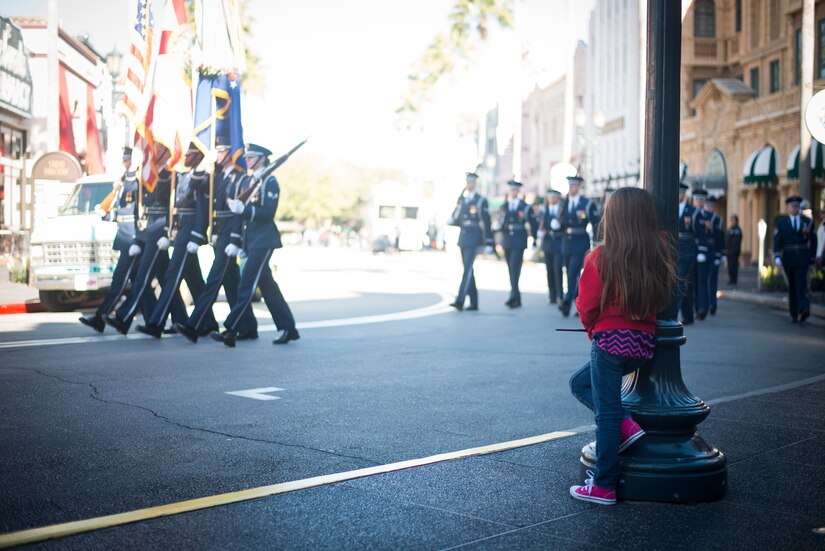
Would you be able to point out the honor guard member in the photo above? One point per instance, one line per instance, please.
(704, 252)
(794, 248)
(261, 237)
(550, 234)
(226, 233)
(150, 242)
(514, 218)
(187, 233)
(577, 212)
(122, 211)
(733, 248)
(687, 254)
(716, 246)
(472, 215)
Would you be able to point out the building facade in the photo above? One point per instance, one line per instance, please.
(612, 101)
(740, 105)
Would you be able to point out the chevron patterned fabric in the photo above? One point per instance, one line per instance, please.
(627, 343)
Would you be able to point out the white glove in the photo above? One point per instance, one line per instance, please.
(232, 250)
(554, 225)
(242, 254)
(164, 243)
(192, 247)
(701, 257)
(208, 163)
(235, 205)
(716, 262)
(777, 261)
(134, 250)
(488, 249)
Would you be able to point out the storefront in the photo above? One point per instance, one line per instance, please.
(15, 112)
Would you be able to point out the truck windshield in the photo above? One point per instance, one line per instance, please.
(85, 197)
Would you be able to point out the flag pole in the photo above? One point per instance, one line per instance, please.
(212, 146)
(172, 198)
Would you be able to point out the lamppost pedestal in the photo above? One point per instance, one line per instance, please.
(671, 462)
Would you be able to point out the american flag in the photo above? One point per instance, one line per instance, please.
(139, 58)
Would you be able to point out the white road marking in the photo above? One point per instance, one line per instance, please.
(257, 393)
(433, 310)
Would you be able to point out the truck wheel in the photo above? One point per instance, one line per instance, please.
(60, 301)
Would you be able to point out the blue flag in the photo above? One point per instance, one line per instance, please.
(226, 118)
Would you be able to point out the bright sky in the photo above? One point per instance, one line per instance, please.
(335, 70)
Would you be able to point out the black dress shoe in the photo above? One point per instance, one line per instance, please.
(227, 337)
(515, 304)
(510, 302)
(118, 325)
(286, 336)
(187, 331)
(207, 330)
(95, 322)
(687, 322)
(168, 330)
(803, 315)
(702, 314)
(151, 330)
(565, 309)
(713, 310)
(247, 336)
(472, 308)
(457, 305)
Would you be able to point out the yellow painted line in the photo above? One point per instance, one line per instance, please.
(33, 535)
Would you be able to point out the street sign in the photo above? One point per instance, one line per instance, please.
(815, 116)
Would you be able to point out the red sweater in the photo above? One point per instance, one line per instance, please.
(594, 318)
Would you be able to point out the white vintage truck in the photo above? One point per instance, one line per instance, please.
(71, 254)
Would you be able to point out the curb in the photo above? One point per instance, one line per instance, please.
(773, 302)
(28, 307)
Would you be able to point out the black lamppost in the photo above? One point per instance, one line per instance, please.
(672, 462)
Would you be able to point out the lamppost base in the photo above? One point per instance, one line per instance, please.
(674, 468)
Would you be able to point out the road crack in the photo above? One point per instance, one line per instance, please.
(95, 395)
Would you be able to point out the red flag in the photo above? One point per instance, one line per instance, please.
(138, 60)
(94, 156)
(66, 131)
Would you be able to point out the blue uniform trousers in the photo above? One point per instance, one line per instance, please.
(153, 263)
(553, 261)
(515, 259)
(224, 272)
(468, 280)
(713, 281)
(798, 299)
(125, 270)
(686, 285)
(182, 265)
(257, 273)
(702, 291)
(574, 253)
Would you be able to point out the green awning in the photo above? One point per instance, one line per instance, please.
(817, 161)
(760, 168)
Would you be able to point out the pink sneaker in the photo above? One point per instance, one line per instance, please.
(592, 493)
(631, 431)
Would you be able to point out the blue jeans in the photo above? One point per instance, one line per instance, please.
(598, 385)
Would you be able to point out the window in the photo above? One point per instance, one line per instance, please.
(704, 19)
(409, 213)
(797, 77)
(738, 16)
(775, 85)
(698, 83)
(755, 80)
(820, 49)
(386, 211)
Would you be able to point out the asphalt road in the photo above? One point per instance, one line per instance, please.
(384, 372)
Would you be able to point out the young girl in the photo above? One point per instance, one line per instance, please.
(625, 281)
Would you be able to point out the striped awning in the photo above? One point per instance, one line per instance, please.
(817, 161)
(760, 168)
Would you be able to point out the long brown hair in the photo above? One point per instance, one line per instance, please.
(636, 262)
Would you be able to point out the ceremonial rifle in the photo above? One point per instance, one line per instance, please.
(260, 175)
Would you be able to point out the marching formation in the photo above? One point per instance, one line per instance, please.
(561, 228)
(177, 213)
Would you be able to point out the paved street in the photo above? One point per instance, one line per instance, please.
(386, 372)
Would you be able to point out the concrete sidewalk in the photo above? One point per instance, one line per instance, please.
(16, 298)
